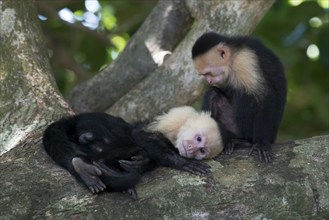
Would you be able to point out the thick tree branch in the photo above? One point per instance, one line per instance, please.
(159, 34)
(176, 82)
(293, 186)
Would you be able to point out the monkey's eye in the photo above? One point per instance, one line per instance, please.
(199, 139)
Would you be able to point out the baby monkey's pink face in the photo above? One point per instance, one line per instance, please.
(193, 145)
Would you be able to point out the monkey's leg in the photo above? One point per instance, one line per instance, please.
(89, 175)
(265, 155)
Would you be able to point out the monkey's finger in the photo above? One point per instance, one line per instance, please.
(196, 171)
(131, 163)
(200, 170)
(200, 164)
(92, 189)
(129, 166)
(97, 171)
(137, 157)
(132, 192)
(101, 185)
(268, 156)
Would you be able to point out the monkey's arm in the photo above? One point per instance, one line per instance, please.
(217, 102)
(265, 126)
(163, 153)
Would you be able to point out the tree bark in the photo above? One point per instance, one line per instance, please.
(29, 98)
(293, 186)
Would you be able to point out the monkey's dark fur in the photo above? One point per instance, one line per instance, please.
(256, 116)
(97, 149)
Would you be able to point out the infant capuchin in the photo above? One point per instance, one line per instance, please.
(106, 153)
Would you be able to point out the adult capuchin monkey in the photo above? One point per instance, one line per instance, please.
(106, 153)
(248, 91)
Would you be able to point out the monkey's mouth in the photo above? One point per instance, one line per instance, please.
(183, 151)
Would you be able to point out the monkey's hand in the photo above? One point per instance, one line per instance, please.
(138, 163)
(190, 165)
(264, 155)
(196, 167)
(228, 148)
(89, 175)
(107, 171)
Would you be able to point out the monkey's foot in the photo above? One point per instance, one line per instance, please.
(229, 148)
(264, 155)
(89, 175)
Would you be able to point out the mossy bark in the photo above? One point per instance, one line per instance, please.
(29, 98)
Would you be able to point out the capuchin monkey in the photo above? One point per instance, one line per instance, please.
(247, 93)
(195, 135)
(106, 153)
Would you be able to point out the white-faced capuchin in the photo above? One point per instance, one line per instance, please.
(106, 153)
(248, 91)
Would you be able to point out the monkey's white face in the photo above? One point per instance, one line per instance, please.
(192, 145)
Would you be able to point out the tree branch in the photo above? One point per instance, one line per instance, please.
(176, 82)
(293, 186)
(159, 34)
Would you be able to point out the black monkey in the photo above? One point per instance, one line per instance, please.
(96, 148)
(248, 91)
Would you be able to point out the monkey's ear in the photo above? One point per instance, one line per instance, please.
(224, 53)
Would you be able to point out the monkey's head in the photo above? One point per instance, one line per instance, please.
(199, 138)
(211, 55)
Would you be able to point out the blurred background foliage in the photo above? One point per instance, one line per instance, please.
(83, 36)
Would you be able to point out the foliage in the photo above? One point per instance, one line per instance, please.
(91, 38)
(290, 30)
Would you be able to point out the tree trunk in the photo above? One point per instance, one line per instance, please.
(29, 98)
(293, 186)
